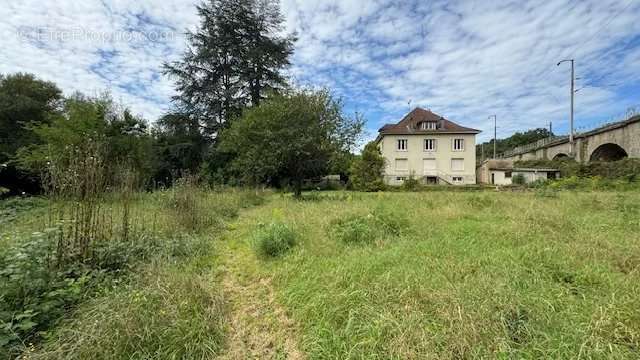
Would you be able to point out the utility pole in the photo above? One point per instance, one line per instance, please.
(495, 133)
(572, 94)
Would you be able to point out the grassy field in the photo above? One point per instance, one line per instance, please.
(384, 275)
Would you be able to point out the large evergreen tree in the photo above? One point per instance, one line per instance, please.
(232, 60)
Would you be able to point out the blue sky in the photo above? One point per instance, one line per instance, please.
(465, 60)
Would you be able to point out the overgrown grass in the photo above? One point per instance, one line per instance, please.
(480, 275)
(274, 239)
(376, 226)
(38, 293)
(168, 312)
(540, 274)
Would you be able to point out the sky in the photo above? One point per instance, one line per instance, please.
(464, 60)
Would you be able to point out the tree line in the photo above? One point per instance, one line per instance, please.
(235, 119)
(515, 140)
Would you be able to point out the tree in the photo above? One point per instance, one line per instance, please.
(97, 123)
(367, 170)
(24, 101)
(517, 139)
(232, 60)
(290, 137)
(180, 146)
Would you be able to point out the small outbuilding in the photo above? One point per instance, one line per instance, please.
(502, 172)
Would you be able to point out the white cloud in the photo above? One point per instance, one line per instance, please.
(465, 60)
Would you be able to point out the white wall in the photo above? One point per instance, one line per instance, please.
(499, 177)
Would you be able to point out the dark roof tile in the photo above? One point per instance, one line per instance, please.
(409, 124)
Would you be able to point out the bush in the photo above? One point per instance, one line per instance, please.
(35, 292)
(622, 169)
(375, 226)
(411, 184)
(518, 179)
(274, 240)
(366, 170)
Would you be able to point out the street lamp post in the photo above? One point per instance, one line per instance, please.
(572, 95)
(495, 131)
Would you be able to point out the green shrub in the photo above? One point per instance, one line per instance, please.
(35, 292)
(518, 179)
(411, 183)
(621, 169)
(274, 239)
(367, 169)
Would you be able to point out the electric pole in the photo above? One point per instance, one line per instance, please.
(495, 132)
(572, 94)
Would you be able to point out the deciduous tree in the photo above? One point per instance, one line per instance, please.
(290, 137)
(367, 169)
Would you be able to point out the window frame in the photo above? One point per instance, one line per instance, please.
(395, 164)
(453, 145)
(428, 125)
(406, 144)
(457, 159)
(435, 145)
(457, 179)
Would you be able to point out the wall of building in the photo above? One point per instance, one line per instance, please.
(499, 177)
(489, 166)
(531, 176)
(415, 156)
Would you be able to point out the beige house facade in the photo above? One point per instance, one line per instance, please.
(430, 148)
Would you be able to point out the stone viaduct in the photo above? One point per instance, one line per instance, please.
(608, 143)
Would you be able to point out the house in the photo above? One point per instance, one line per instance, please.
(502, 172)
(428, 147)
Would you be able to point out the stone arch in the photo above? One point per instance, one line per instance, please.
(608, 152)
(561, 156)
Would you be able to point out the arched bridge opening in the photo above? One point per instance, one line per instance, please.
(561, 156)
(608, 152)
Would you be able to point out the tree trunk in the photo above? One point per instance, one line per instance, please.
(297, 188)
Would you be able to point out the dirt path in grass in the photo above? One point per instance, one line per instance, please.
(259, 327)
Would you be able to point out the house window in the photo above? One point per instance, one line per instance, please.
(402, 164)
(457, 164)
(402, 144)
(429, 165)
(401, 178)
(507, 174)
(457, 179)
(458, 144)
(428, 125)
(429, 144)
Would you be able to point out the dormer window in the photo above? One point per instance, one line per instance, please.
(428, 125)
